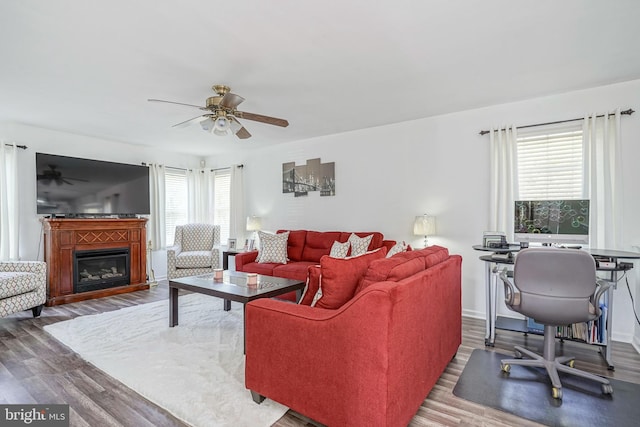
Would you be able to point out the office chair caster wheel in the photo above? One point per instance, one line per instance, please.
(607, 389)
(517, 354)
(505, 367)
(556, 393)
(571, 363)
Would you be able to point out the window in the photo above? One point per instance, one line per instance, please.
(176, 201)
(550, 163)
(222, 202)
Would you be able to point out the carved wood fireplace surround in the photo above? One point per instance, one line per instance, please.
(64, 236)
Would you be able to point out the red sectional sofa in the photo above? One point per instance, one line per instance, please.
(304, 248)
(371, 362)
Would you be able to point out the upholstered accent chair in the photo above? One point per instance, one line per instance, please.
(23, 286)
(194, 251)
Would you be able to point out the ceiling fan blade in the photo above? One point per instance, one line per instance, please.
(240, 131)
(231, 100)
(263, 119)
(190, 122)
(178, 103)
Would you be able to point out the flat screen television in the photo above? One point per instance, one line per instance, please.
(70, 186)
(552, 221)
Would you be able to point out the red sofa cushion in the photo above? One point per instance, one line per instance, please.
(318, 243)
(265, 269)
(402, 265)
(340, 277)
(435, 255)
(295, 244)
(313, 283)
(295, 270)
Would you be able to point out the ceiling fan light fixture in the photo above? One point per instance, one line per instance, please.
(221, 114)
(222, 124)
(207, 124)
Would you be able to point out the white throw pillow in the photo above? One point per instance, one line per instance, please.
(397, 248)
(273, 247)
(359, 245)
(339, 250)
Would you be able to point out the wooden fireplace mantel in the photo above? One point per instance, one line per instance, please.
(63, 236)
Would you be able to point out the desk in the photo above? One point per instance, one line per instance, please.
(498, 258)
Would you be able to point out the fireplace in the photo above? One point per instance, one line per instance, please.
(100, 269)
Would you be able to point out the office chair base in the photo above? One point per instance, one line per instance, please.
(553, 365)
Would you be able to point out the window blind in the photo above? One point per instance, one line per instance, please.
(550, 163)
(175, 202)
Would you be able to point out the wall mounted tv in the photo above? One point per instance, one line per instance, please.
(75, 187)
(551, 221)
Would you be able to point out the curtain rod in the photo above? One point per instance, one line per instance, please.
(24, 147)
(219, 169)
(627, 112)
(183, 169)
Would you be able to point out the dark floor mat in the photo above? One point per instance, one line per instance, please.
(526, 392)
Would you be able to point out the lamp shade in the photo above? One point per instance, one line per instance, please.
(253, 223)
(424, 225)
(207, 124)
(222, 124)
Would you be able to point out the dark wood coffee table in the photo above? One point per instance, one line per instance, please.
(233, 287)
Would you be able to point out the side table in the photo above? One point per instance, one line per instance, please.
(225, 257)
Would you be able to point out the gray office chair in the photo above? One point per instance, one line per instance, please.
(555, 287)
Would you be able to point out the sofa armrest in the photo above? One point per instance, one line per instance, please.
(37, 267)
(174, 250)
(388, 244)
(244, 258)
(215, 254)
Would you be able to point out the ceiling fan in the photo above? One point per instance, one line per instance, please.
(52, 174)
(222, 116)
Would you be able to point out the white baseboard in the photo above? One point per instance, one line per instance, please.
(473, 314)
(627, 338)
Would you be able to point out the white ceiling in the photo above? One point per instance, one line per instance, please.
(331, 66)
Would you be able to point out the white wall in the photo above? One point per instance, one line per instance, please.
(66, 144)
(386, 176)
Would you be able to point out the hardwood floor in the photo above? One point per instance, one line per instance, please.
(35, 368)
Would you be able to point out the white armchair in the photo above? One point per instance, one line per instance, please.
(23, 286)
(194, 250)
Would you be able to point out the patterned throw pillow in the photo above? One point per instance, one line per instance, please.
(339, 250)
(359, 245)
(273, 247)
(397, 248)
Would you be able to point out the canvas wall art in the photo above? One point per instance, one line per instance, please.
(312, 176)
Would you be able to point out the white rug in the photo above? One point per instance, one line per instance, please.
(194, 370)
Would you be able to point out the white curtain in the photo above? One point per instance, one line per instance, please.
(200, 195)
(503, 180)
(237, 220)
(603, 179)
(156, 225)
(9, 202)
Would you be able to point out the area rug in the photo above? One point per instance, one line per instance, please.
(194, 370)
(526, 392)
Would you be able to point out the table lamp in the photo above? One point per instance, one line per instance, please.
(254, 223)
(424, 225)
